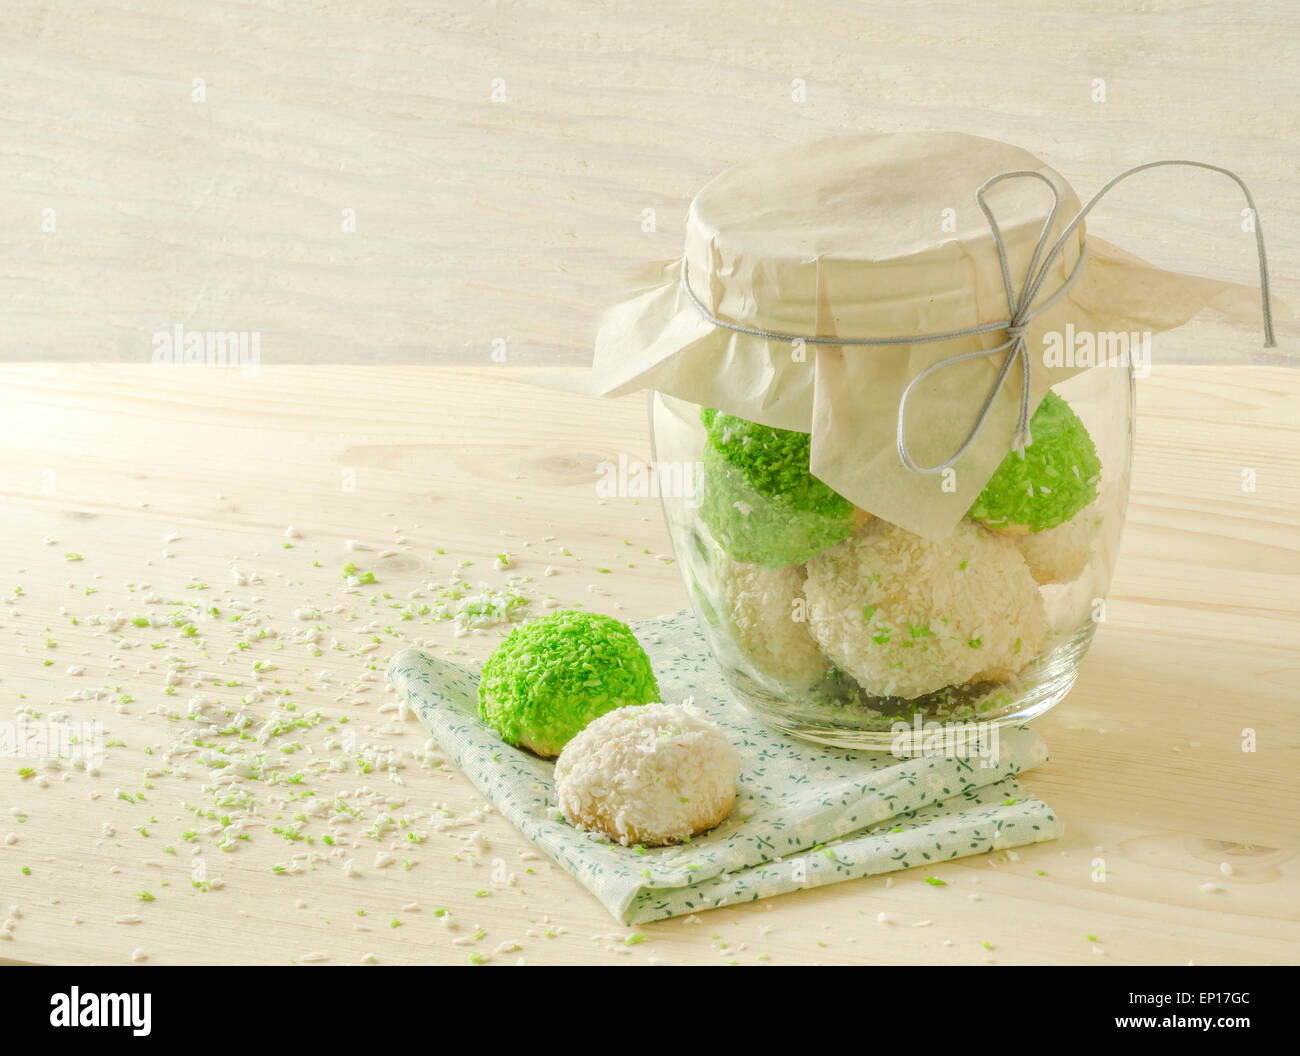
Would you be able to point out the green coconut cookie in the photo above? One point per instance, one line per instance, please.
(553, 675)
(759, 499)
(1056, 478)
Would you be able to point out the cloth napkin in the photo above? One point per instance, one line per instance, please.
(805, 815)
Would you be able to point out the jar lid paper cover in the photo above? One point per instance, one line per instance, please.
(880, 236)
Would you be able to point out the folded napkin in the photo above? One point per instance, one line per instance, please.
(805, 815)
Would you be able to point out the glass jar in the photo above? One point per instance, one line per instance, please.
(839, 627)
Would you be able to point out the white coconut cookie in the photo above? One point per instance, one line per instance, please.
(1060, 554)
(906, 616)
(652, 774)
(761, 603)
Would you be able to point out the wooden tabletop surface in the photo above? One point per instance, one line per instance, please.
(175, 489)
(404, 189)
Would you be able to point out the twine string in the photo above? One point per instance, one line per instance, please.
(1022, 308)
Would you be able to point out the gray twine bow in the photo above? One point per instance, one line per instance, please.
(1021, 308)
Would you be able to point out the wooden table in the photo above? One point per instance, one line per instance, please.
(396, 183)
(164, 480)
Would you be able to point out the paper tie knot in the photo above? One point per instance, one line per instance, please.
(1022, 308)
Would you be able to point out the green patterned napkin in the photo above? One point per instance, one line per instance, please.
(805, 815)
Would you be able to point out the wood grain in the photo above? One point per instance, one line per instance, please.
(1202, 640)
(520, 218)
